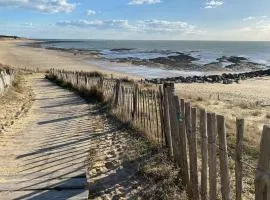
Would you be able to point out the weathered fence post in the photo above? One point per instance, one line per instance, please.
(101, 83)
(211, 129)
(167, 125)
(173, 123)
(238, 161)
(223, 156)
(182, 133)
(204, 153)
(123, 111)
(262, 181)
(190, 116)
(117, 92)
(135, 104)
(161, 113)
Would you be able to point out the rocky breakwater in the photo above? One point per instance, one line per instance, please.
(226, 78)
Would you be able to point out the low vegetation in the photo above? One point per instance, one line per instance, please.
(16, 101)
(162, 180)
(94, 94)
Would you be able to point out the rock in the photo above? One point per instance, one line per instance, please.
(225, 78)
(227, 81)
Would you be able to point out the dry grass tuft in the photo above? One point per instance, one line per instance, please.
(161, 175)
(267, 116)
(244, 105)
(126, 80)
(94, 94)
(256, 113)
(199, 99)
(95, 74)
(17, 83)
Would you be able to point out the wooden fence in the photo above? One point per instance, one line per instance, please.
(196, 139)
(6, 78)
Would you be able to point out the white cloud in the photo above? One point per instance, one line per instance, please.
(254, 18)
(213, 3)
(164, 26)
(97, 24)
(255, 28)
(248, 18)
(28, 24)
(140, 2)
(90, 12)
(47, 6)
(147, 26)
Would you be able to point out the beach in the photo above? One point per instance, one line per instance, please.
(42, 59)
(250, 99)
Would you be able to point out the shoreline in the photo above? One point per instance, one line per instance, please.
(45, 59)
(169, 60)
(159, 74)
(17, 56)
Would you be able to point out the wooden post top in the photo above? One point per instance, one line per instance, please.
(262, 181)
(264, 161)
(169, 84)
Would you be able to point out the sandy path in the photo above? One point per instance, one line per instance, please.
(43, 155)
(110, 176)
(60, 143)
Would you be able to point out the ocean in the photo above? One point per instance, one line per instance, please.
(204, 52)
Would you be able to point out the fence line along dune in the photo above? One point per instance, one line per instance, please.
(212, 165)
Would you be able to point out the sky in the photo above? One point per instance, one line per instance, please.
(137, 19)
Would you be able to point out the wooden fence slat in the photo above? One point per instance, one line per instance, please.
(149, 113)
(167, 121)
(123, 103)
(117, 91)
(141, 107)
(194, 160)
(238, 162)
(191, 135)
(153, 114)
(156, 117)
(262, 186)
(135, 93)
(173, 123)
(144, 111)
(183, 136)
(223, 156)
(128, 104)
(204, 154)
(138, 106)
(179, 143)
(211, 130)
(161, 113)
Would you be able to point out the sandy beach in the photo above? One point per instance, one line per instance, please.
(11, 53)
(250, 99)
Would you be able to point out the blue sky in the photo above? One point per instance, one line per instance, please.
(137, 19)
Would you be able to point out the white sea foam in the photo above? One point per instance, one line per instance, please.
(143, 71)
